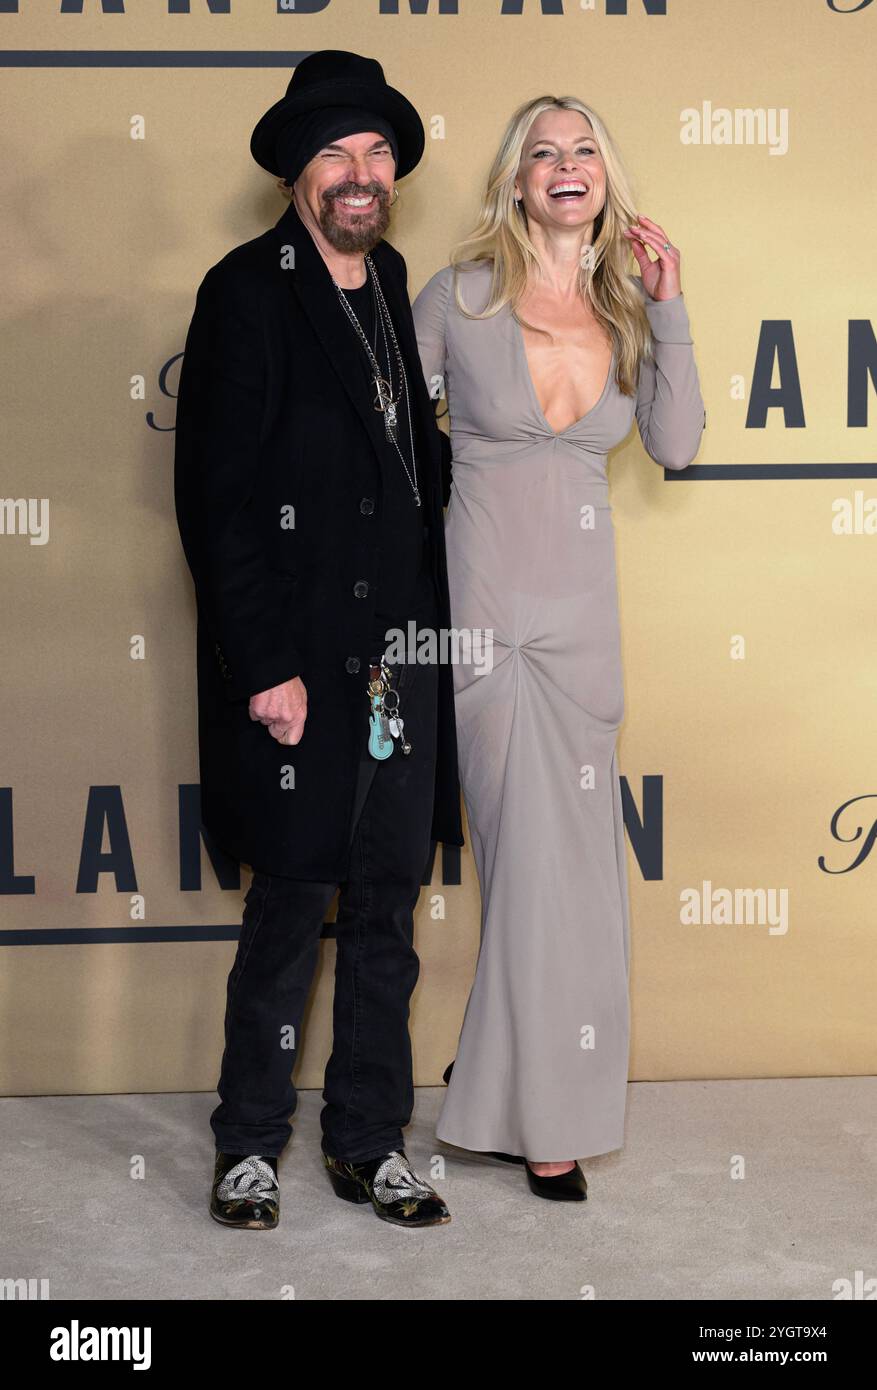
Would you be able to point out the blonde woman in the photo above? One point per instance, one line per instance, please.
(549, 348)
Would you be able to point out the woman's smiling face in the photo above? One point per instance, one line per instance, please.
(561, 176)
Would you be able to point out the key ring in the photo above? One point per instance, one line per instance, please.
(385, 721)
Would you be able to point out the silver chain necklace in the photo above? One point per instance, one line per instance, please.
(384, 400)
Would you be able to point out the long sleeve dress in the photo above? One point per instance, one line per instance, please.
(541, 1066)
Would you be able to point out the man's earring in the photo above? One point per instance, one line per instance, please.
(395, 196)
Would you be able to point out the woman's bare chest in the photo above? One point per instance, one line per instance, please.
(569, 368)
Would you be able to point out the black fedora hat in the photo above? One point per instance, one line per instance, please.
(332, 77)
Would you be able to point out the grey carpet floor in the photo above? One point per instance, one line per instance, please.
(761, 1189)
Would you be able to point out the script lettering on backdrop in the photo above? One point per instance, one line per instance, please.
(867, 843)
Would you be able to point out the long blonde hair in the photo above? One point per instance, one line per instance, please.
(500, 235)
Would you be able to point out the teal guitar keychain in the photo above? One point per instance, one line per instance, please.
(385, 720)
(380, 743)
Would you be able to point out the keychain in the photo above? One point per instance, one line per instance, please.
(380, 744)
(385, 721)
(395, 721)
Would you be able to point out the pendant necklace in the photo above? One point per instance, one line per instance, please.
(385, 401)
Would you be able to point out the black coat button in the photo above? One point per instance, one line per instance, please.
(352, 664)
(367, 506)
(360, 588)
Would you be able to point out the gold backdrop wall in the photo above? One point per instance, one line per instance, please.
(747, 613)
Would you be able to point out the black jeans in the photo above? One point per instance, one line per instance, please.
(368, 1089)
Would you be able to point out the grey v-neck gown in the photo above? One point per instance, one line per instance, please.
(541, 1066)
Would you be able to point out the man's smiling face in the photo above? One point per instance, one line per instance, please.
(347, 187)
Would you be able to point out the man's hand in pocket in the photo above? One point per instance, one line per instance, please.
(283, 709)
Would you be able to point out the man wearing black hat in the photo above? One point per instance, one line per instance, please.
(309, 492)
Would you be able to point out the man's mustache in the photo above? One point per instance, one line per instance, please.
(358, 190)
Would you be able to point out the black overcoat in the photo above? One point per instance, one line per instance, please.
(278, 494)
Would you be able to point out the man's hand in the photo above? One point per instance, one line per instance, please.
(284, 709)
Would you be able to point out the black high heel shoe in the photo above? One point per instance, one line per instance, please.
(563, 1187)
(571, 1186)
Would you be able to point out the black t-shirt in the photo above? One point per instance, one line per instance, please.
(404, 584)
